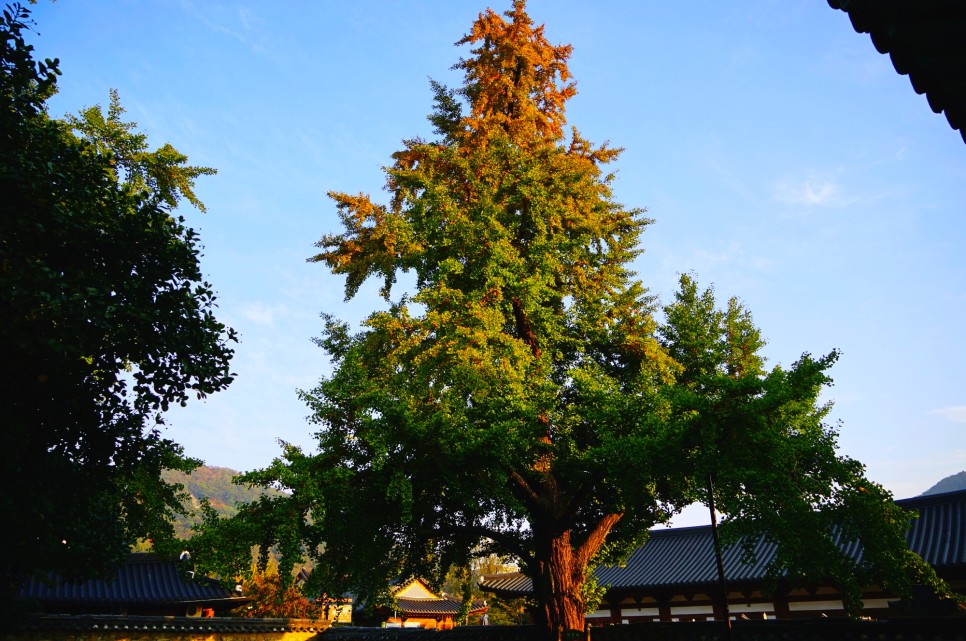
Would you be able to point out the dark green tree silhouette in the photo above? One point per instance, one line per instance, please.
(106, 322)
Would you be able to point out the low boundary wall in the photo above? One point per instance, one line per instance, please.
(143, 628)
(912, 629)
(108, 628)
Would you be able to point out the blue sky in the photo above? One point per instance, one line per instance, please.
(782, 157)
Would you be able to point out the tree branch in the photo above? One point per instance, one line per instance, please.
(526, 492)
(510, 542)
(524, 327)
(580, 498)
(596, 538)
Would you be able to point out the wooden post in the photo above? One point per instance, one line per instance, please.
(718, 559)
(616, 612)
(780, 601)
(664, 608)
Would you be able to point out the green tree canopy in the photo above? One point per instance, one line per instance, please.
(762, 437)
(164, 172)
(106, 322)
(525, 400)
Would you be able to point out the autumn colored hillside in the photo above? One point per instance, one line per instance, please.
(214, 484)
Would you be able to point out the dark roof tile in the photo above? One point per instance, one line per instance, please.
(939, 534)
(685, 557)
(925, 40)
(428, 606)
(142, 578)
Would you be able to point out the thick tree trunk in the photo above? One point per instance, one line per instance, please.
(567, 602)
(558, 575)
(557, 584)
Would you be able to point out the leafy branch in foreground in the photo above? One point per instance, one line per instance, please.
(107, 321)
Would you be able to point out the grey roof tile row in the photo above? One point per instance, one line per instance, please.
(428, 606)
(142, 578)
(939, 534)
(685, 556)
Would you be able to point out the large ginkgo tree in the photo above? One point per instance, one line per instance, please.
(523, 399)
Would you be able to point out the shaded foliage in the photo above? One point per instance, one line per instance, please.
(273, 597)
(106, 322)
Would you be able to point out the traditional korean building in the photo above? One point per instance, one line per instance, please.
(144, 585)
(673, 576)
(417, 606)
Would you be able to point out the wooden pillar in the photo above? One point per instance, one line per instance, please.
(616, 612)
(719, 612)
(664, 609)
(780, 601)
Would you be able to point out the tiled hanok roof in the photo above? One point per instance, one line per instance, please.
(508, 584)
(685, 557)
(939, 534)
(432, 604)
(142, 579)
(420, 607)
(926, 40)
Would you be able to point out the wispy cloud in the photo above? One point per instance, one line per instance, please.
(743, 56)
(259, 313)
(723, 255)
(812, 191)
(955, 414)
(241, 24)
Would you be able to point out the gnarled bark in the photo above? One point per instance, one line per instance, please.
(558, 573)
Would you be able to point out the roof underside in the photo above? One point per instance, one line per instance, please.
(926, 40)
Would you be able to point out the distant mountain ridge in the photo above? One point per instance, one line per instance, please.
(214, 484)
(951, 483)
